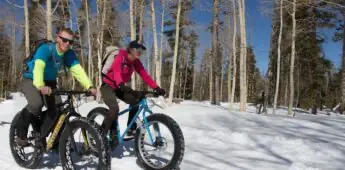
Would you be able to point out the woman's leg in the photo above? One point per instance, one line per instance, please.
(109, 98)
(131, 99)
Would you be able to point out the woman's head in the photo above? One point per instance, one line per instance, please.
(135, 49)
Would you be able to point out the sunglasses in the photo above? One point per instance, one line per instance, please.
(139, 50)
(64, 40)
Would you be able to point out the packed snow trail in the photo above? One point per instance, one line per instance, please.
(218, 139)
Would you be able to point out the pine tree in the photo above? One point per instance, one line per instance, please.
(339, 36)
(5, 60)
(308, 53)
(193, 39)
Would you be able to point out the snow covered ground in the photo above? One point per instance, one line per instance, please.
(222, 140)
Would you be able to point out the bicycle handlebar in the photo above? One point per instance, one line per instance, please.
(144, 93)
(69, 92)
(88, 93)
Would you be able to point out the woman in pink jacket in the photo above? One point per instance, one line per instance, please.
(125, 63)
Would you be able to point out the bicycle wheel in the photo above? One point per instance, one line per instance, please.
(25, 156)
(98, 111)
(149, 145)
(70, 148)
(98, 115)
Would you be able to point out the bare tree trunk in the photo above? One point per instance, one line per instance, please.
(101, 21)
(136, 16)
(230, 63)
(243, 76)
(343, 72)
(278, 60)
(245, 53)
(63, 14)
(210, 77)
(149, 64)
(147, 44)
(131, 19)
(71, 26)
(13, 67)
(27, 38)
(201, 92)
(203, 78)
(215, 50)
(171, 92)
(160, 58)
(229, 79)
(234, 51)
(133, 33)
(185, 78)
(81, 44)
(286, 91)
(155, 43)
(181, 74)
(194, 81)
(138, 82)
(2, 80)
(88, 38)
(298, 83)
(49, 20)
(292, 89)
(70, 15)
(141, 20)
(222, 79)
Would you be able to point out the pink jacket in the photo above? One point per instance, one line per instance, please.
(120, 73)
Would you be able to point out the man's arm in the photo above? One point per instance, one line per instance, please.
(77, 71)
(38, 73)
(42, 54)
(139, 68)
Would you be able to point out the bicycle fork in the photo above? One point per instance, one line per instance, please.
(86, 142)
(155, 127)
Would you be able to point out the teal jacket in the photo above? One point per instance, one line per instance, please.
(47, 62)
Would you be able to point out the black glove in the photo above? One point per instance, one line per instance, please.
(159, 91)
(125, 88)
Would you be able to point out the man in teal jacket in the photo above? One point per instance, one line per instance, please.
(40, 78)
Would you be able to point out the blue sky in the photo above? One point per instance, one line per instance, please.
(258, 35)
(258, 32)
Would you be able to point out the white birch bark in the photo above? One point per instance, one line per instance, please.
(278, 59)
(292, 65)
(171, 92)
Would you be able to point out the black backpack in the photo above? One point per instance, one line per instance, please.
(33, 50)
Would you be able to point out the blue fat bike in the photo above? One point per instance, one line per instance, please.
(158, 141)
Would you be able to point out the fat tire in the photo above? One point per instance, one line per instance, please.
(32, 163)
(97, 111)
(178, 141)
(95, 130)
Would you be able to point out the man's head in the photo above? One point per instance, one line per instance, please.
(64, 38)
(135, 49)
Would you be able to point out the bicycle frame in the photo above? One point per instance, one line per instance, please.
(56, 123)
(143, 107)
